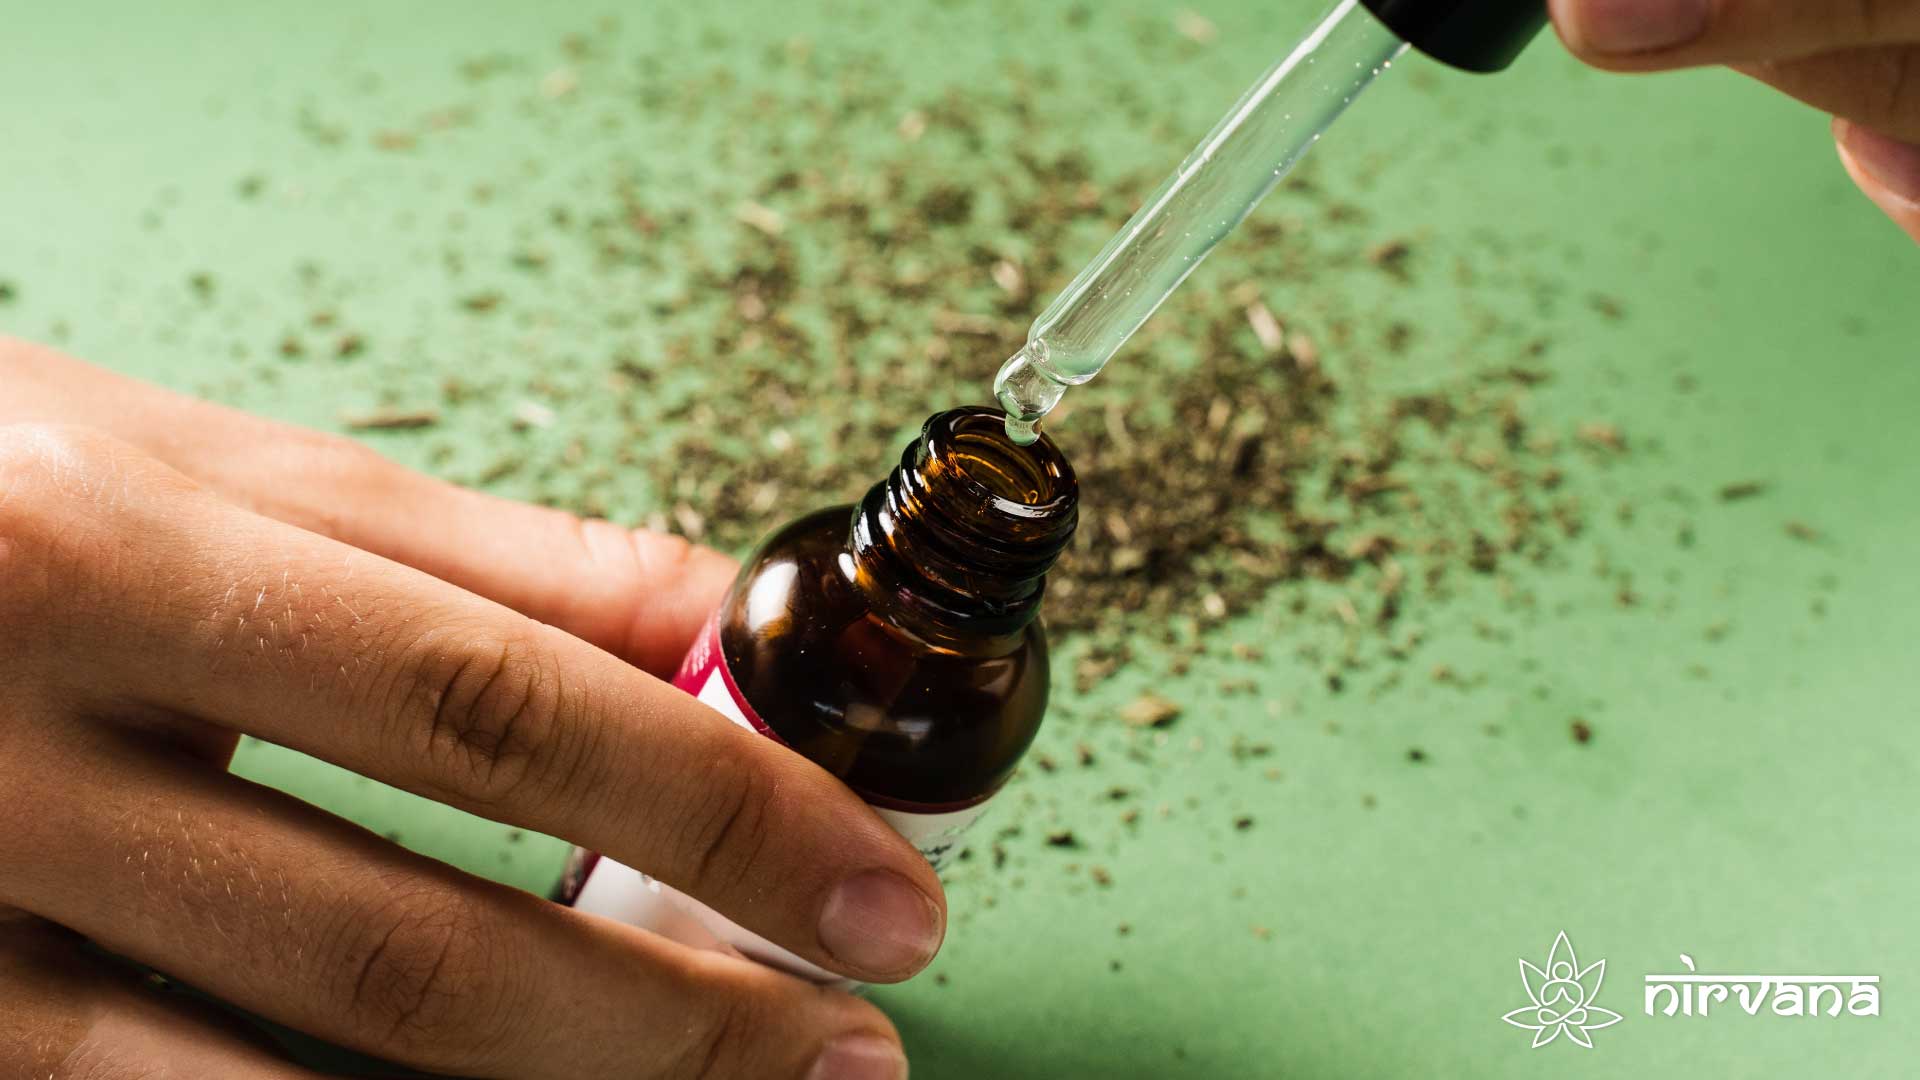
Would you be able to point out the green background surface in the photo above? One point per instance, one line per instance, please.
(1748, 797)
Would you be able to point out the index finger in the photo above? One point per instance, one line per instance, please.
(303, 641)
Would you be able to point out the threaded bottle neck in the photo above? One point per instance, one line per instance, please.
(956, 542)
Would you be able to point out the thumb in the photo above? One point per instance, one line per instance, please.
(640, 595)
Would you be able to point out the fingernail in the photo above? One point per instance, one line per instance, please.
(1632, 26)
(859, 1057)
(1895, 164)
(878, 922)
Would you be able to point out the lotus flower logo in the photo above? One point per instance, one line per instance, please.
(1562, 998)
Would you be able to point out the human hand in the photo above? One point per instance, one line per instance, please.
(197, 574)
(1856, 59)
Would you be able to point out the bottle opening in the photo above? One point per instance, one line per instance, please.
(965, 529)
(1031, 483)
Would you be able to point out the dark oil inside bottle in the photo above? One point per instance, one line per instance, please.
(895, 642)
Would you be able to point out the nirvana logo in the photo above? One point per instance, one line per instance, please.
(1560, 996)
(1692, 994)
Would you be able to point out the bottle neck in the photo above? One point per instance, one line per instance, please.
(955, 544)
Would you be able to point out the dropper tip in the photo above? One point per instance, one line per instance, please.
(1027, 391)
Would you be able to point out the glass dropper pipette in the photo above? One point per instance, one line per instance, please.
(1234, 167)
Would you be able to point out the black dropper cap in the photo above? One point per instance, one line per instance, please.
(1475, 35)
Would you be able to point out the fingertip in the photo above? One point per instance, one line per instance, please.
(882, 926)
(860, 1056)
(1886, 170)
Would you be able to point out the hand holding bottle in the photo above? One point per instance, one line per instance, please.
(174, 575)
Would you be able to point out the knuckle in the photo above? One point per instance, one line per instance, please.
(328, 462)
(48, 477)
(421, 978)
(663, 556)
(57, 471)
(330, 454)
(485, 710)
(747, 1019)
(715, 1041)
(68, 463)
(39, 463)
(723, 827)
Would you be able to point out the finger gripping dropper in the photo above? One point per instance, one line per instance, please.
(1245, 155)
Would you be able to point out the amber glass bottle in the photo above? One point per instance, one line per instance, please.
(895, 643)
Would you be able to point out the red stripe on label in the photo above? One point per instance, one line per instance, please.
(707, 659)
